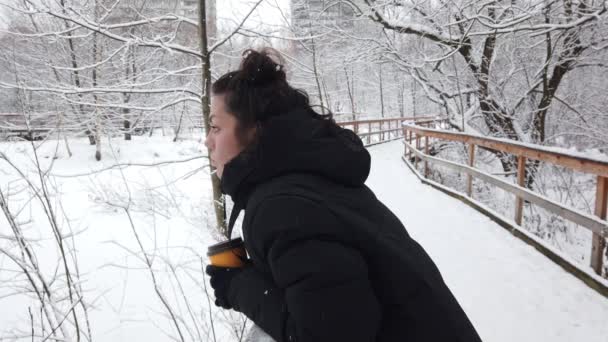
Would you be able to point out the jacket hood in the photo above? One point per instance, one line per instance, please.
(296, 142)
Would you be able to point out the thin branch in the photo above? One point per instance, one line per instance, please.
(220, 43)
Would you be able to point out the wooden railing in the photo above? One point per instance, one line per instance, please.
(372, 131)
(381, 130)
(418, 138)
(40, 125)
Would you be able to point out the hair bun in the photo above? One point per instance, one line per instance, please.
(259, 68)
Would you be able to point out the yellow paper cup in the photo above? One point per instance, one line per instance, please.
(229, 253)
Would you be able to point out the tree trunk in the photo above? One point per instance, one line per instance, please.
(413, 98)
(381, 91)
(350, 93)
(219, 204)
(96, 49)
(76, 76)
(316, 72)
(127, 128)
(498, 121)
(179, 125)
(571, 52)
(130, 75)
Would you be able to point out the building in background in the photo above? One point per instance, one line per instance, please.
(306, 14)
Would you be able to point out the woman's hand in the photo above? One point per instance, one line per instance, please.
(221, 279)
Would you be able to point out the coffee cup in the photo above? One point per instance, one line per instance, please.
(229, 253)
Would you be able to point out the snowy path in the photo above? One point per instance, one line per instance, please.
(509, 290)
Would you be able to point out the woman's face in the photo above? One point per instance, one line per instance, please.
(222, 141)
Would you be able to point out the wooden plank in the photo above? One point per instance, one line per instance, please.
(377, 132)
(521, 177)
(577, 163)
(598, 242)
(399, 119)
(590, 222)
(471, 164)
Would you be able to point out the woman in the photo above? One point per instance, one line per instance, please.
(329, 262)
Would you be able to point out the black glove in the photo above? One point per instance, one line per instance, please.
(220, 279)
(251, 292)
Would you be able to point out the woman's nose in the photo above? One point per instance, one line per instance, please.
(208, 141)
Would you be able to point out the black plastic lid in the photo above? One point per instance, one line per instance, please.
(224, 246)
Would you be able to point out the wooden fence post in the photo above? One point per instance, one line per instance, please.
(598, 242)
(369, 132)
(396, 129)
(471, 164)
(356, 127)
(418, 149)
(406, 151)
(426, 151)
(521, 177)
(409, 138)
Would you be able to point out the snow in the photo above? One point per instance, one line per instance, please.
(168, 205)
(509, 290)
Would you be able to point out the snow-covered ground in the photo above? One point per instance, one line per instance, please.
(510, 291)
(168, 203)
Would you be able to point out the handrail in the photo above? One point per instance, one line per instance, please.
(596, 224)
(542, 153)
(25, 125)
(413, 118)
(367, 129)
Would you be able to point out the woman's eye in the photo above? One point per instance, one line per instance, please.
(215, 129)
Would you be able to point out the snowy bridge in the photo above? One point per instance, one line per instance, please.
(510, 290)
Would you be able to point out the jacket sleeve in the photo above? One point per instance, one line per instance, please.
(320, 289)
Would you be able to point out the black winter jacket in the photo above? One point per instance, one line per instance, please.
(330, 261)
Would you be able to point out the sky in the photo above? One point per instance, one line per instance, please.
(270, 13)
(268, 17)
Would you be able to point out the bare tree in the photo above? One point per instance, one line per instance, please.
(514, 92)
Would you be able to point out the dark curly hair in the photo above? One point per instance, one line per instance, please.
(258, 90)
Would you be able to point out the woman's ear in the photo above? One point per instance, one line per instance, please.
(252, 133)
